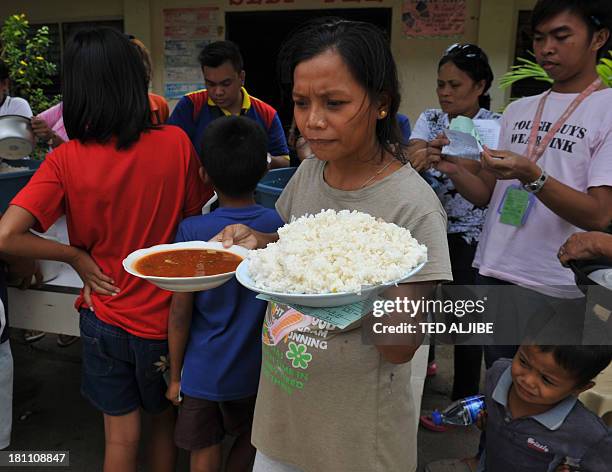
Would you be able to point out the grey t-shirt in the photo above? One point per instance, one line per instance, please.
(326, 400)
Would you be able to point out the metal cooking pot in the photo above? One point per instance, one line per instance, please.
(16, 137)
(591, 272)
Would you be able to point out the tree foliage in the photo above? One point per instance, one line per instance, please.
(25, 55)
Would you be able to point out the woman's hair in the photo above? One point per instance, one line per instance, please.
(472, 60)
(364, 48)
(4, 71)
(145, 55)
(104, 88)
(596, 14)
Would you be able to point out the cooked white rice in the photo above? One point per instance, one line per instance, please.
(335, 252)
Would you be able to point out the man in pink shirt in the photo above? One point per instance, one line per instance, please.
(552, 173)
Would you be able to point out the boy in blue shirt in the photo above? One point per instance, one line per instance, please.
(214, 336)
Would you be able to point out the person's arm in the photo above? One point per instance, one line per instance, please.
(277, 144)
(241, 235)
(23, 272)
(182, 116)
(179, 324)
(400, 348)
(42, 131)
(417, 144)
(16, 240)
(22, 269)
(586, 246)
(591, 211)
(417, 155)
(473, 183)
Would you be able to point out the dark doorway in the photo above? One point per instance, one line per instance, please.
(259, 36)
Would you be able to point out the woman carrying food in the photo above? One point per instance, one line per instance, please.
(119, 185)
(327, 400)
(464, 79)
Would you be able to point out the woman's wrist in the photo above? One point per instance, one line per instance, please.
(55, 140)
(72, 255)
(263, 239)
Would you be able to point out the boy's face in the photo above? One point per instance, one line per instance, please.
(538, 379)
(563, 46)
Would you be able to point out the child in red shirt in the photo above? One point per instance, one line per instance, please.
(123, 184)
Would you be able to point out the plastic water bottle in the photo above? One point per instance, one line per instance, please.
(462, 412)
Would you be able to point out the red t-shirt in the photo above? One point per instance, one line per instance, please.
(116, 202)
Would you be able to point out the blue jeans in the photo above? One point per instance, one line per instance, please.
(121, 372)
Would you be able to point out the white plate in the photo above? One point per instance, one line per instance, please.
(183, 284)
(319, 300)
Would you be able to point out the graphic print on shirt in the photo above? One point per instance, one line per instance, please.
(290, 341)
(533, 444)
(565, 140)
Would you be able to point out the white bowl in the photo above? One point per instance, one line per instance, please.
(319, 300)
(183, 284)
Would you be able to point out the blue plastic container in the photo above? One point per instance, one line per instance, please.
(12, 182)
(271, 186)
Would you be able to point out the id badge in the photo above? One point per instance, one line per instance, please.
(515, 206)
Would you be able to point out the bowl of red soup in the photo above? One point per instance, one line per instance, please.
(186, 267)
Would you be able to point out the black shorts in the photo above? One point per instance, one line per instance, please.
(203, 423)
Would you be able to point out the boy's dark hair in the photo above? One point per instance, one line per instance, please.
(585, 362)
(365, 50)
(105, 90)
(234, 154)
(472, 60)
(215, 54)
(4, 71)
(596, 14)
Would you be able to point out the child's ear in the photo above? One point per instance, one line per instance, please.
(204, 176)
(584, 388)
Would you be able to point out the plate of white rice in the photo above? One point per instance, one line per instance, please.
(333, 258)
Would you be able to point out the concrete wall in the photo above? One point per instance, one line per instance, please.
(39, 11)
(490, 23)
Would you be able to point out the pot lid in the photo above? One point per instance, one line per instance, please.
(15, 148)
(602, 277)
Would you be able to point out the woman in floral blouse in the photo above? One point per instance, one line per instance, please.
(464, 78)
